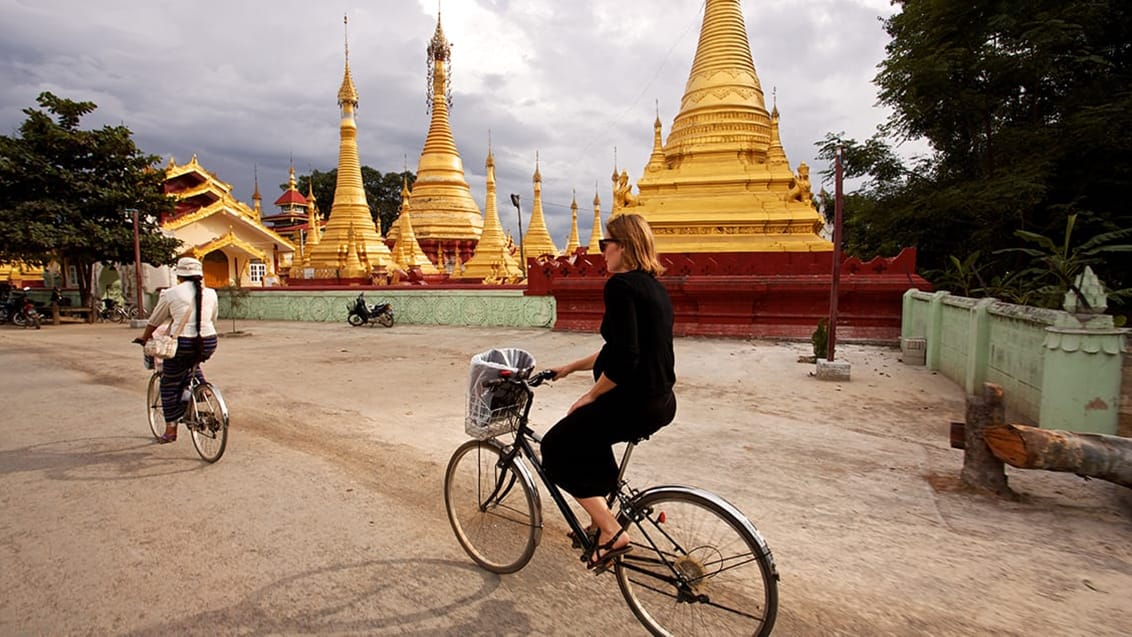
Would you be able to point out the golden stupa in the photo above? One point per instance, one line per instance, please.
(445, 217)
(350, 245)
(572, 244)
(537, 241)
(596, 234)
(722, 182)
(492, 262)
(407, 253)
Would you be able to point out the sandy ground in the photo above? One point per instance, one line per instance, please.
(326, 514)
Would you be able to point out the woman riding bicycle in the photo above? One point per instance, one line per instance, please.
(634, 372)
(192, 308)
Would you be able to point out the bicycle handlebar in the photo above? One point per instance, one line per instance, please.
(533, 381)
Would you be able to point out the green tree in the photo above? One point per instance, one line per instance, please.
(66, 191)
(1027, 108)
(383, 192)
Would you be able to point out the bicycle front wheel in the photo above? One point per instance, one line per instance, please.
(153, 408)
(697, 567)
(208, 422)
(494, 510)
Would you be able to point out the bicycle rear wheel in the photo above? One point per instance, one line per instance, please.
(153, 408)
(697, 567)
(494, 511)
(208, 422)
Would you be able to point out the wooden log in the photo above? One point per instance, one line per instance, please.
(1093, 455)
(981, 468)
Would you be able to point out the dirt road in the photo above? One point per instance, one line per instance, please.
(326, 513)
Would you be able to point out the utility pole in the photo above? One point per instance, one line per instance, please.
(522, 252)
(835, 283)
(137, 264)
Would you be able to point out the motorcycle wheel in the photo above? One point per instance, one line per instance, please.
(19, 319)
(386, 319)
(355, 320)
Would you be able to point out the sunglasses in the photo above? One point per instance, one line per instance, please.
(602, 244)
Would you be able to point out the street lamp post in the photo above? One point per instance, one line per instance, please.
(137, 264)
(522, 252)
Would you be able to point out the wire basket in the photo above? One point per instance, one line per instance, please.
(495, 411)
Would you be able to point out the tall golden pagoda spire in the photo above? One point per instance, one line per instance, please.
(537, 241)
(443, 208)
(596, 234)
(492, 260)
(349, 214)
(407, 253)
(721, 187)
(572, 244)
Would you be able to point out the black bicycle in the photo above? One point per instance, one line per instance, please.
(698, 565)
(206, 415)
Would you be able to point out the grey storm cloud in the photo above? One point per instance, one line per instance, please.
(250, 86)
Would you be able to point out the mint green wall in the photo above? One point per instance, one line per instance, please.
(488, 308)
(972, 341)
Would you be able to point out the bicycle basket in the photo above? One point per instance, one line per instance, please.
(495, 411)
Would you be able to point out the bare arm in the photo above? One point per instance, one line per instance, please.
(602, 385)
(582, 364)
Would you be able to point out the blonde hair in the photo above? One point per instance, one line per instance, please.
(635, 236)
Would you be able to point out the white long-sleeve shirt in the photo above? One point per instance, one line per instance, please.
(180, 299)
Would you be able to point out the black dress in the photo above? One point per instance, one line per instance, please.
(637, 355)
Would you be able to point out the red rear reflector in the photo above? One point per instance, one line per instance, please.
(505, 373)
(661, 518)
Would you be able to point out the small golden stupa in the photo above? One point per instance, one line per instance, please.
(722, 182)
(445, 216)
(350, 242)
(537, 241)
(492, 261)
(407, 253)
(596, 234)
(572, 244)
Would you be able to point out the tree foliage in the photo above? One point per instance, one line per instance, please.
(383, 192)
(66, 191)
(1027, 108)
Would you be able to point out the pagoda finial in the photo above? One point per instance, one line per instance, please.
(347, 93)
(255, 194)
(538, 175)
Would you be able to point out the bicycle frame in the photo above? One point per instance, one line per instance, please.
(524, 436)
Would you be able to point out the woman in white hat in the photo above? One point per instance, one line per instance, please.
(192, 309)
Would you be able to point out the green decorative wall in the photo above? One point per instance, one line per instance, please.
(1058, 377)
(421, 306)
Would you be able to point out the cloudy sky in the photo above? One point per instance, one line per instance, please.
(251, 83)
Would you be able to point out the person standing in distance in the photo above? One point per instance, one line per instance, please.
(193, 305)
(634, 372)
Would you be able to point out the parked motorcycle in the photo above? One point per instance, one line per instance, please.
(26, 315)
(362, 314)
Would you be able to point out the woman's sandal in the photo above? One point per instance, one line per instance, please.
(167, 437)
(604, 555)
(592, 532)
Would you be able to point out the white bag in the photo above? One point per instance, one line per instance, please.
(494, 411)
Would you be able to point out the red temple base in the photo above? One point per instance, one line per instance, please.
(747, 295)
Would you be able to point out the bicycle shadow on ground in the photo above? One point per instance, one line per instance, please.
(96, 458)
(363, 598)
